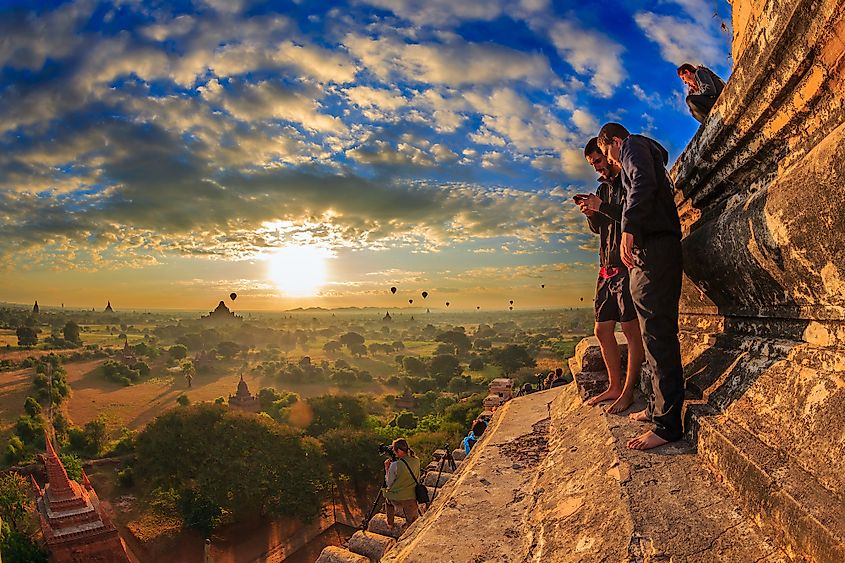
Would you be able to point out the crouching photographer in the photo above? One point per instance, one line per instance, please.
(402, 475)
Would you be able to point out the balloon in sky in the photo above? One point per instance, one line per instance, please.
(447, 303)
(542, 285)
(477, 308)
(511, 301)
(233, 296)
(511, 307)
(582, 299)
(424, 294)
(392, 290)
(410, 300)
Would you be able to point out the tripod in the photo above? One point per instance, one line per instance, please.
(372, 513)
(448, 457)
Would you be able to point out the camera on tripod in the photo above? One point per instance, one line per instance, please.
(386, 450)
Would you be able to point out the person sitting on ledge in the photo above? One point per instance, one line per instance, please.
(478, 428)
(704, 89)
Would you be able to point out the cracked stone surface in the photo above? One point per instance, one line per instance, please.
(553, 481)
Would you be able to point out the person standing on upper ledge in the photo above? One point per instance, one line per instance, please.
(704, 89)
(651, 248)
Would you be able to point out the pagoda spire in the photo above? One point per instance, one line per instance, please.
(60, 486)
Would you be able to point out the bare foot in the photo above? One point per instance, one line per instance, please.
(640, 416)
(609, 395)
(620, 405)
(646, 441)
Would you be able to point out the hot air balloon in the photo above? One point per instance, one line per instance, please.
(582, 299)
(447, 303)
(511, 301)
(477, 308)
(542, 285)
(424, 294)
(392, 290)
(233, 296)
(410, 301)
(511, 307)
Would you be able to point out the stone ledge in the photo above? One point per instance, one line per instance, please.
(772, 488)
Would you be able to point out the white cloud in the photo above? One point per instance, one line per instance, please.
(682, 40)
(585, 122)
(457, 63)
(591, 53)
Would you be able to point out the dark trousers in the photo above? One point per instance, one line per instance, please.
(656, 290)
(700, 105)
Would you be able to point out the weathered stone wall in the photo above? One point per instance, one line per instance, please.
(762, 201)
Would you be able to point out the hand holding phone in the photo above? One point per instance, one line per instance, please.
(580, 197)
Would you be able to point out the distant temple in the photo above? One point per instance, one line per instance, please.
(387, 318)
(127, 356)
(35, 308)
(222, 315)
(406, 401)
(242, 400)
(108, 308)
(73, 523)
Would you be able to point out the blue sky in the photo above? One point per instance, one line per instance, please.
(159, 153)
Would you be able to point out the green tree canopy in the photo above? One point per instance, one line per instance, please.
(335, 411)
(350, 339)
(455, 338)
(15, 499)
(27, 336)
(512, 357)
(71, 332)
(242, 463)
(352, 453)
(413, 365)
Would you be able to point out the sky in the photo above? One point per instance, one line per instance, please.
(316, 154)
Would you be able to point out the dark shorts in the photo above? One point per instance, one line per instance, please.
(613, 299)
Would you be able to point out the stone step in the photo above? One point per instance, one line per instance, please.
(807, 515)
(334, 554)
(588, 354)
(446, 467)
(431, 479)
(590, 383)
(378, 525)
(370, 544)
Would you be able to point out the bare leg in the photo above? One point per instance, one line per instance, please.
(646, 441)
(636, 355)
(610, 353)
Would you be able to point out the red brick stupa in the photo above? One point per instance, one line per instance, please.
(75, 527)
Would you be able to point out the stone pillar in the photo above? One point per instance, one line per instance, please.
(762, 203)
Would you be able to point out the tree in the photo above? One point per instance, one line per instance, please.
(335, 411)
(406, 420)
(183, 400)
(15, 500)
(73, 465)
(18, 547)
(352, 454)
(444, 367)
(178, 351)
(332, 347)
(71, 332)
(350, 339)
(228, 349)
(457, 339)
(245, 464)
(27, 336)
(31, 406)
(413, 365)
(476, 364)
(512, 357)
(358, 350)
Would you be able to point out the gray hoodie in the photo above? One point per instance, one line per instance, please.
(650, 201)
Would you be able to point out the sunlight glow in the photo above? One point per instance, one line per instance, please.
(298, 271)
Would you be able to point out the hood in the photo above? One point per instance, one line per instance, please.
(655, 146)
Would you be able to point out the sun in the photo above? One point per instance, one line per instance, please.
(298, 271)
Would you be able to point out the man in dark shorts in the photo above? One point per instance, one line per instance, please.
(651, 248)
(613, 296)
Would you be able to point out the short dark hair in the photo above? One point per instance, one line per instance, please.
(592, 146)
(611, 130)
(558, 371)
(686, 67)
(478, 428)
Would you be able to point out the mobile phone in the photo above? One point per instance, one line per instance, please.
(580, 197)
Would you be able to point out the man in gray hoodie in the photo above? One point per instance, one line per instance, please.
(651, 248)
(704, 89)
